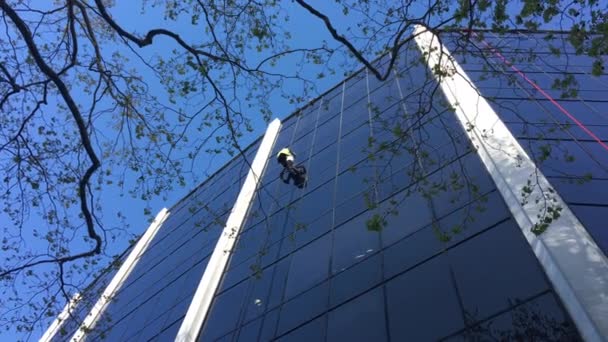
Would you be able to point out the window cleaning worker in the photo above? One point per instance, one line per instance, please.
(286, 158)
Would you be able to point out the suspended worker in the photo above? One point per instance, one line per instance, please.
(286, 158)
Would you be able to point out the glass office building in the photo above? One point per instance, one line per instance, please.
(459, 202)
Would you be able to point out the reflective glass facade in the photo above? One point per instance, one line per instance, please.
(310, 265)
(401, 233)
(558, 110)
(154, 298)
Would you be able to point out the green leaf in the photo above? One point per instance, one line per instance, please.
(376, 223)
(598, 67)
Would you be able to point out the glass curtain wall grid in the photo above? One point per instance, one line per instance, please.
(154, 297)
(573, 262)
(412, 226)
(310, 269)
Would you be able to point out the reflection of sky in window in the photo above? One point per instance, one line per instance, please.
(326, 252)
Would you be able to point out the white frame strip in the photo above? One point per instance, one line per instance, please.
(119, 277)
(58, 322)
(573, 262)
(203, 297)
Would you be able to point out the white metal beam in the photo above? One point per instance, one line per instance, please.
(58, 322)
(201, 303)
(119, 277)
(573, 262)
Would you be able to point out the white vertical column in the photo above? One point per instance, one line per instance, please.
(203, 297)
(58, 322)
(575, 265)
(120, 277)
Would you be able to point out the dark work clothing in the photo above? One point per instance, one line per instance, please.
(282, 159)
(286, 158)
(292, 172)
(297, 173)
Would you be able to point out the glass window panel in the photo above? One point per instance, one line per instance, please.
(173, 318)
(357, 138)
(283, 195)
(326, 134)
(284, 139)
(543, 111)
(250, 331)
(168, 307)
(257, 298)
(278, 283)
(249, 243)
(309, 266)
(427, 242)
(576, 191)
(356, 279)
(421, 298)
(288, 123)
(466, 178)
(474, 217)
(409, 57)
(323, 160)
(384, 97)
(168, 333)
(308, 119)
(356, 89)
(409, 214)
(352, 207)
(383, 122)
(301, 234)
(594, 220)
(596, 111)
(539, 319)
(478, 268)
(353, 242)
(330, 106)
(354, 159)
(319, 177)
(439, 132)
(361, 319)
(449, 187)
(159, 296)
(353, 181)
(271, 319)
(355, 115)
(392, 167)
(419, 82)
(555, 131)
(403, 165)
(381, 64)
(354, 147)
(559, 162)
(494, 81)
(411, 251)
(314, 204)
(226, 338)
(301, 148)
(224, 313)
(312, 331)
(304, 307)
(276, 225)
(237, 273)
